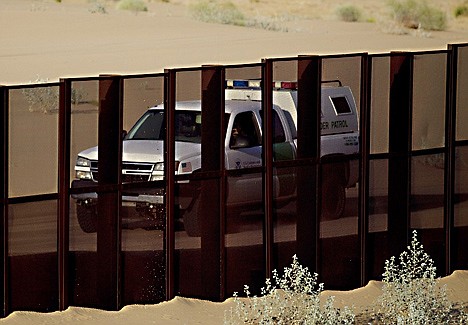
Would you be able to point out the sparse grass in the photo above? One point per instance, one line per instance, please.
(349, 13)
(46, 99)
(268, 23)
(417, 14)
(224, 12)
(461, 10)
(132, 5)
(97, 8)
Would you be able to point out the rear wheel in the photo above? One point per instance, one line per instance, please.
(333, 194)
(87, 218)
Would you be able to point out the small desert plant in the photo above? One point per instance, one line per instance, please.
(46, 99)
(349, 13)
(224, 12)
(132, 5)
(268, 23)
(411, 293)
(461, 10)
(42, 99)
(292, 298)
(417, 14)
(97, 8)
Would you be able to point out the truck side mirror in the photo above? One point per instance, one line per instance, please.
(124, 134)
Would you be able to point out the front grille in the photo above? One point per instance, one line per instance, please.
(134, 178)
(137, 166)
(131, 172)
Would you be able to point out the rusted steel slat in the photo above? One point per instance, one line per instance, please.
(399, 169)
(63, 187)
(364, 149)
(4, 99)
(110, 156)
(308, 148)
(267, 106)
(169, 168)
(450, 150)
(212, 194)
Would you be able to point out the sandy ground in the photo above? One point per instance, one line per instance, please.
(193, 311)
(43, 39)
(48, 40)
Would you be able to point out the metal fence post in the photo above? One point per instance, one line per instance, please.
(4, 199)
(309, 78)
(364, 122)
(169, 168)
(109, 194)
(63, 190)
(399, 170)
(212, 160)
(450, 150)
(267, 106)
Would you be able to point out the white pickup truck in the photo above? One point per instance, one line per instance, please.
(143, 153)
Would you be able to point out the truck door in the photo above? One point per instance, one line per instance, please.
(283, 150)
(244, 151)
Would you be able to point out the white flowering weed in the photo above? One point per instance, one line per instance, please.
(412, 293)
(292, 298)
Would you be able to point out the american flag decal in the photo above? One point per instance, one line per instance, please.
(186, 167)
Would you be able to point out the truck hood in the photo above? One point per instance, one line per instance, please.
(148, 151)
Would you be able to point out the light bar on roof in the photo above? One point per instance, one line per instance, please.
(243, 83)
(285, 84)
(256, 84)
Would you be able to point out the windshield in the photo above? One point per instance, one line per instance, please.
(151, 126)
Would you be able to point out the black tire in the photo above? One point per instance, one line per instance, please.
(333, 196)
(87, 218)
(191, 222)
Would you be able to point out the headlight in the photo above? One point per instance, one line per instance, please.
(82, 162)
(158, 171)
(159, 167)
(81, 174)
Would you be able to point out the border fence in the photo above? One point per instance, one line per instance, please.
(413, 174)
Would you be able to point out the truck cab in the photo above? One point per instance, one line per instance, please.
(143, 152)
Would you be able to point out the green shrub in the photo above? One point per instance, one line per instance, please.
(349, 13)
(461, 11)
(133, 5)
(224, 12)
(417, 14)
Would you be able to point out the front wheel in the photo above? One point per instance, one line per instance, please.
(87, 218)
(191, 222)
